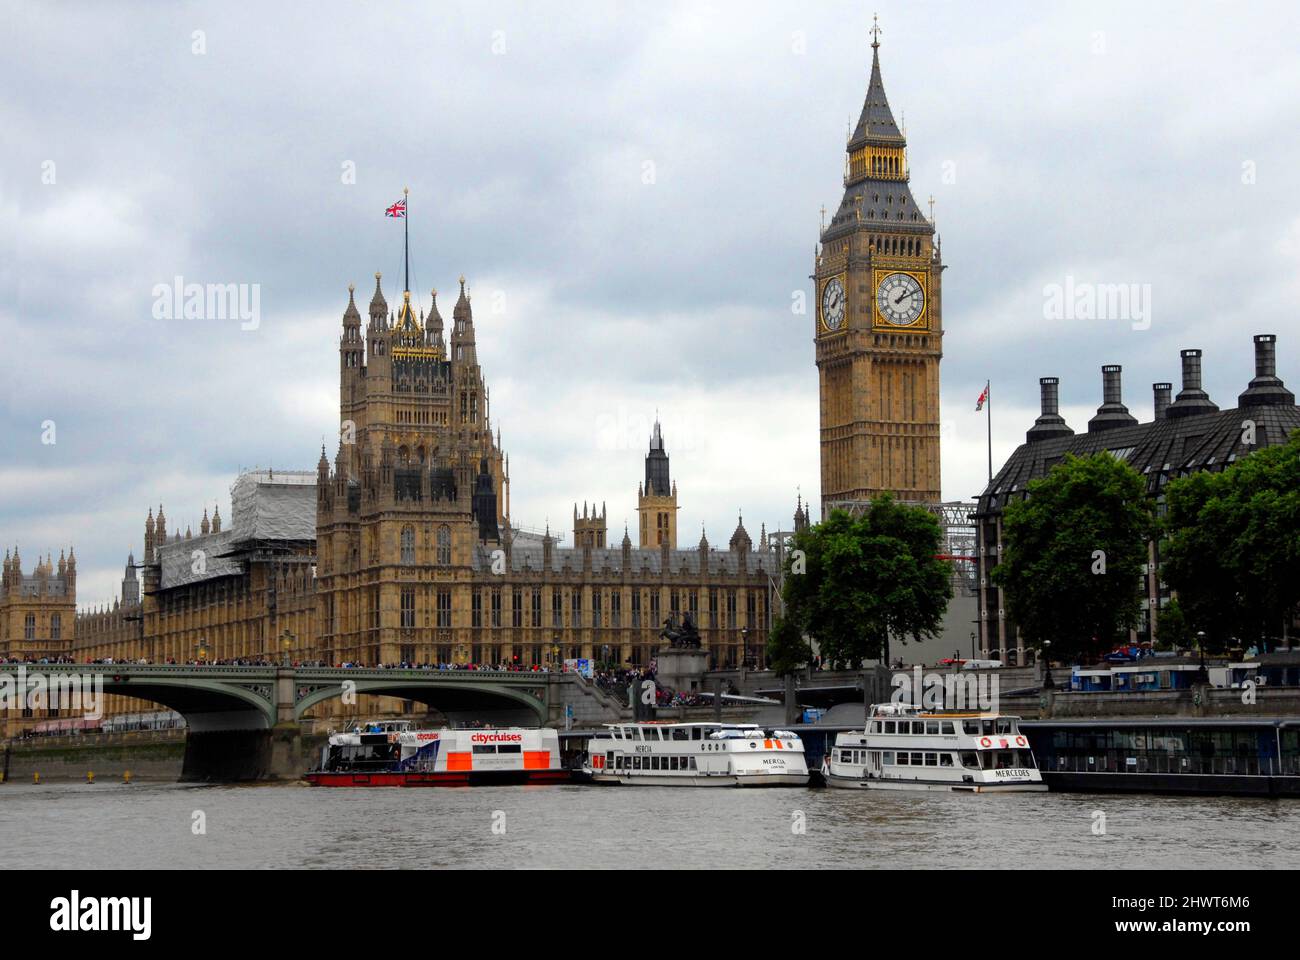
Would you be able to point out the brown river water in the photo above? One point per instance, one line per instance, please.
(144, 825)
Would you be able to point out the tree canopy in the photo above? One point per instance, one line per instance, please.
(852, 583)
(1232, 546)
(1072, 554)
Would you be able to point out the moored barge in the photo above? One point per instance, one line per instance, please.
(391, 753)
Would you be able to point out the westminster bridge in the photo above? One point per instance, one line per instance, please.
(246, 722)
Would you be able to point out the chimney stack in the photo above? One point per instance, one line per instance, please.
(1266, 389)
(1163, 392)
(1192, 400)
(1112, 413)
(1050, 424)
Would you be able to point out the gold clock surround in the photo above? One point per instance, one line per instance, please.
(879, 322)
(821, 295)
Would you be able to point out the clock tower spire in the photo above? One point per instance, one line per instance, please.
(878, 328)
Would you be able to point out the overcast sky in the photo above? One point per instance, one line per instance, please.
(632, 192)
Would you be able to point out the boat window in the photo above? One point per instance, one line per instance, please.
(945, 759)
(846, 756)
(931, 760)
(946, 727)
(932, 727)
(1003, 725)
(889, 757)
(918, 726)
(509, 748)
(485, 748)
(970, 760)
(902, 759)
(918, 760)
(889, 726)
(970, 726)
(681, 733)
(692, 762)
(986, 726)
(697, 733)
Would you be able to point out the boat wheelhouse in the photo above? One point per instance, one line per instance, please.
(696, 754)
(905, 748)
(389, 753)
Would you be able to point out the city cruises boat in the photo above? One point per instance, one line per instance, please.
(390, 753)
(906, 748)
(695, 755)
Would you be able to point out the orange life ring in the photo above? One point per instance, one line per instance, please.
(1020, 741)
(985, 742)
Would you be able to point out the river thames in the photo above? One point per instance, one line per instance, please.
(153, 825)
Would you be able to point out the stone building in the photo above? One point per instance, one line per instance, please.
(1188, 433)
(403, 550)
(878, 329)
(37, 621)
(38, 610)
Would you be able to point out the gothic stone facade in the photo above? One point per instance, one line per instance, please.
(878, 329)
(402, 550)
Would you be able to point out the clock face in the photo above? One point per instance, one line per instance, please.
(833, 305)
(900, 299)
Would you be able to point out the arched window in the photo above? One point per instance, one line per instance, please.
(408, 546)
(444, 546)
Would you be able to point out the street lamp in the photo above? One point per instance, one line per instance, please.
(201, 651)
(1048, 682)
(1202, 675)
(744, 642)
(286, 642)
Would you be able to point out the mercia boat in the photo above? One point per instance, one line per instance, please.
(695, 754)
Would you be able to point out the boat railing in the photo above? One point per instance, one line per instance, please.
(1174, 764)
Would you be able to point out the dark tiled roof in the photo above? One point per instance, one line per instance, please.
(1161, 450)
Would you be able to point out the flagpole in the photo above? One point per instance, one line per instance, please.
(406, 241)
(988, 414)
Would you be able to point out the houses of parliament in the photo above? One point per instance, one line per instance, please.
(400, 546)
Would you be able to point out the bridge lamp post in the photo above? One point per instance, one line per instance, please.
(201, 651)
(1048, 682)
(750, 660)
(1202, 675)
(286, 642)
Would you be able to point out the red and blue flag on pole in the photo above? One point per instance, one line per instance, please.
(397, 210)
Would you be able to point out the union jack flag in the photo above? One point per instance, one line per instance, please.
(397, 210)
(979, 404)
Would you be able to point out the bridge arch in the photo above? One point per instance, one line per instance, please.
(447, 696)
(207, 705)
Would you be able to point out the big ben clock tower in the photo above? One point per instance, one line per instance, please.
(879, 322)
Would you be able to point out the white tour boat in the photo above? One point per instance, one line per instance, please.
(696, 754)
(391, 753)
(906, 748)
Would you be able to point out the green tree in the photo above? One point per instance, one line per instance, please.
(853, 583)
(1232, 549)
(1172, 629)
(787, 650)
(1072, 554)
